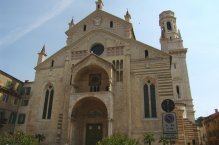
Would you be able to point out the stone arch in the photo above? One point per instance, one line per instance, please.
(86, 114)
(92, 60)
(153, 80)
(82, 76)
(107, 101)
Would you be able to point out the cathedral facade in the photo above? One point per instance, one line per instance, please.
(105, 81)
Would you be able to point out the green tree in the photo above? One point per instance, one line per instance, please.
(17, 138)
(164, 140)
(118, 139)
(148, 138)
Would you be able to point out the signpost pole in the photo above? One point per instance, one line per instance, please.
(169, 120)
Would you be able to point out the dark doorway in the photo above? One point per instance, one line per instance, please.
(94, 133)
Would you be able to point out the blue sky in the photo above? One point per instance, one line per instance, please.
(26, 25)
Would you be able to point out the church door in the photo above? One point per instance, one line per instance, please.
(94, 133)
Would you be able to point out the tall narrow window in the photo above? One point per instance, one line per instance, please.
(95, 82)
(5, 98)
(47, 109)
(117, 76)
(153, 101)
(178, 92)
(169, 27)
(146, 102)
(111, 24)
(146, 53)
(174, 65)
(50, 104)
(52, 63)
(85, 27)
(16, 101)
(150, 110)
(114, 63)
(121, 76)
(21, 118)
(117, 64)
(121, 64)
(71, 80)
(13, 117)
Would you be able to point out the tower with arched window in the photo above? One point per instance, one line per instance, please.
(172, 43)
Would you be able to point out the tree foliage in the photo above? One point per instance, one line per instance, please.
(17, 138)
(118, 139)
(148, 138)
(164, 140)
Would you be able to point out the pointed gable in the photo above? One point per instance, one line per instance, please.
(93, 59)
(100, 20)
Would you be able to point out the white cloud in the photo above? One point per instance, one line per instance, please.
(18, 33)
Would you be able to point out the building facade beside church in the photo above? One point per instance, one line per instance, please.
(105, 81)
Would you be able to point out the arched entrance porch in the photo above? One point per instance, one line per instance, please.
(89, 121)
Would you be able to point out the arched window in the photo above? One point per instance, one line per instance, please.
(47, 108)
(169, 27)
(150, 110)
(117, 64)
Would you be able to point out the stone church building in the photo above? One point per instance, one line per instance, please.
(105, 81)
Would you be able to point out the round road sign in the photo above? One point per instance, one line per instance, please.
(168, 105)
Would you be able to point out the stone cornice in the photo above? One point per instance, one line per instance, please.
(178, 51)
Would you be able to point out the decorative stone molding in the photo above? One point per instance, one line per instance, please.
(78, 54)
(114, 51)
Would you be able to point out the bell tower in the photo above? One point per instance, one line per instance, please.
(172, 43)
(99, 5)
(170, 36)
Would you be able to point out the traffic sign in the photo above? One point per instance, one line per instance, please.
(171, 136)
(168, 105)
(169, 123)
